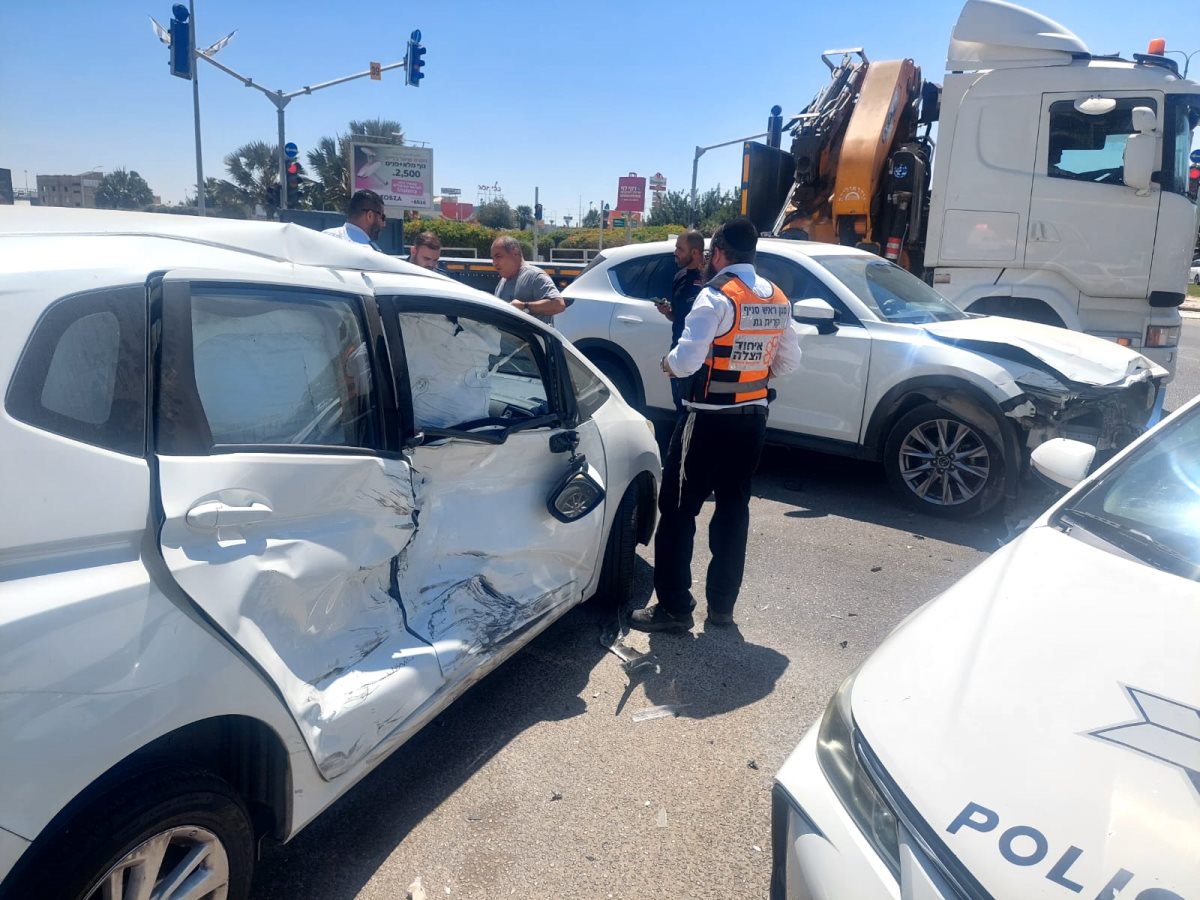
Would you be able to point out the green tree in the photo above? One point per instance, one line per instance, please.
(329, 166)
(121, 189)
(253, 170)
(524, 216)
(591, 219)
(496, 214)
(714, 207)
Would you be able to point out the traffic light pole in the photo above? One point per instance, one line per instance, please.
(200, 191)
(281, 100)
(700, 151)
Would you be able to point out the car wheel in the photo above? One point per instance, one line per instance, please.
(621, 378)
(942, 465)
(620, 557)
(168, 832)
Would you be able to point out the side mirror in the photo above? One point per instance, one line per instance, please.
(1062, 461)
(1141, 150)
(815, 311)
(577, 493)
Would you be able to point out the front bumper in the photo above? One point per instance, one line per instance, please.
(820, 854)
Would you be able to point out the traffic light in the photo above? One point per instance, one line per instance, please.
(181, 42)
(1193, 181)
(293, 185)
(537, 212)
(604, 215)
(415, 61)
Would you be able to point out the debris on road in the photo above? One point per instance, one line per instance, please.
(843, 644)
(416, 891)
(834, 616)
(876, 568)
(661, 820)
(751, 765)
(659, 712)
(555, 795)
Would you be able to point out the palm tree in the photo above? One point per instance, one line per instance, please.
(253, 171)
(328, 160)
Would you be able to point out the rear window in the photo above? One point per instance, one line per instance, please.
(83, 372)
(646, 277)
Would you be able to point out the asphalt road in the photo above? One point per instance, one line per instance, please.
(542, 783)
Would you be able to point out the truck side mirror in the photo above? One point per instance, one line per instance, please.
(1141, 150)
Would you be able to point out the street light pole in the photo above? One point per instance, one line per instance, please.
(1187, 59)
(281, 100)
(700, 151)
(200, 192)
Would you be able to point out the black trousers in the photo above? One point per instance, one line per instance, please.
(711, 453)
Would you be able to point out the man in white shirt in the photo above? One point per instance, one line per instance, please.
(365, 219)
(738, 335)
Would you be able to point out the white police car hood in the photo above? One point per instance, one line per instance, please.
(1071, 355)
(1055, 691)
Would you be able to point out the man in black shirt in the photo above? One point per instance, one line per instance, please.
(689, 255)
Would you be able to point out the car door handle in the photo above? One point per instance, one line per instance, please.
(630, 320)
(215, 514)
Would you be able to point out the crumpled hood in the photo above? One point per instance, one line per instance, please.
(1055, 690)
(1078, 357)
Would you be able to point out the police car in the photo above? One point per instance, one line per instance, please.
(1034, 732)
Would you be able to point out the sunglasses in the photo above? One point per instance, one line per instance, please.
(380, 213)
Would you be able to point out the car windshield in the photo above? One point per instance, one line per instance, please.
(890, 292)
(1149, 505)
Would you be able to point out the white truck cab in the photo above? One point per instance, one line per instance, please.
(1060, 190)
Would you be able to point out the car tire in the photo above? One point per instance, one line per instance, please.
(966, 469)
(620, 556)
(622, 379)
(120, 835)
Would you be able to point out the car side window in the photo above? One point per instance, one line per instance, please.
(1091, 147)
(590, 392)
(798, 283)
(271, 367)
(646, 277)
(465, 373)
(83, 372)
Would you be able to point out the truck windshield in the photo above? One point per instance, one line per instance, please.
(1183, 113)
(890, 292)
(1149, 505)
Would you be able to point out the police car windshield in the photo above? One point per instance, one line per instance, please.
(1149, 505)
(890, 292)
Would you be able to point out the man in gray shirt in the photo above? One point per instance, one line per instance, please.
(524, 285)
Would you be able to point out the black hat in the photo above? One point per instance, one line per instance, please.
(739, 234)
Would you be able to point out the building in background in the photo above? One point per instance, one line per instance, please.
(75, 191)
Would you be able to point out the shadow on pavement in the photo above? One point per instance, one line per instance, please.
(818, 485)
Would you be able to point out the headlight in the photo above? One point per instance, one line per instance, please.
(850, 781)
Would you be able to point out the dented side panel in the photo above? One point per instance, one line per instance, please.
(488, 559)
(311, 591)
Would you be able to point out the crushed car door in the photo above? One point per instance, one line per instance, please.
(483, 397)
(285, 517)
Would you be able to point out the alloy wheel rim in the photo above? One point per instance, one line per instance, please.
(944, 462)
(186, 862)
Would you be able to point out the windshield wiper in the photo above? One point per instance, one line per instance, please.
(1131, 535)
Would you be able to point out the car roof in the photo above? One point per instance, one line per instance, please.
(284, 242)
(776, 245)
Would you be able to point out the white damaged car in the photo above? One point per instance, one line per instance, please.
(891, 371)
(1033, 732)
(271, 501)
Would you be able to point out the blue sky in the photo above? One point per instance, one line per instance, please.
(560, 95)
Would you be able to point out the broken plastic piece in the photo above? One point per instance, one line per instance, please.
(661, 820)
(416, 891)
(659, 712)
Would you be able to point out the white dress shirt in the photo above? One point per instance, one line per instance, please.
(712, 315)
(352, 233)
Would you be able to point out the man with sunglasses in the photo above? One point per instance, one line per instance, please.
(365, 219)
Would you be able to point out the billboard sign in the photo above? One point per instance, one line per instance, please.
(631, 194)
(658, 182)
(401, 176)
